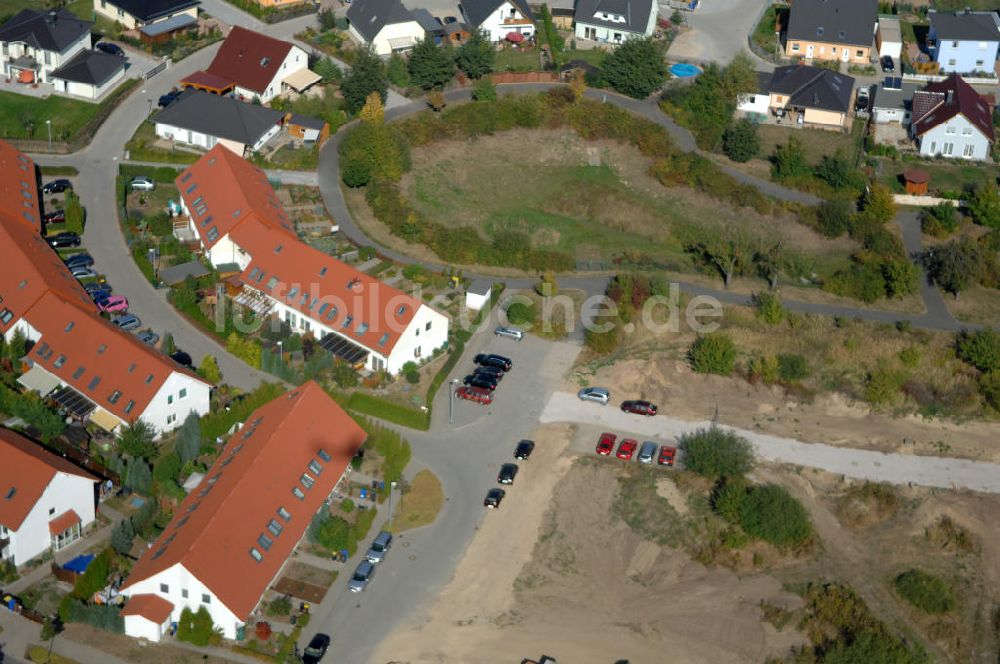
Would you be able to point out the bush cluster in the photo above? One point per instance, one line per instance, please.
(765, 512)
(716, 452)
(713, 353)
(925, 591)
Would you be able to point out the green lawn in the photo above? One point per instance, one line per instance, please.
(22, 116)
(815, 142)
(516, 59)
(141, 148)
(946, 176)
(594, 56)
(763, 34)
(82, 8)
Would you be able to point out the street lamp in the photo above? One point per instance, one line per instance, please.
(392, 485)
(48, 123)
(279, 351)
(451, 400)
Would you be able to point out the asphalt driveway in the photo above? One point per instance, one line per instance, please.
(719, 30)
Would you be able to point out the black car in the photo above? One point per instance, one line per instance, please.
(57, 186)
(111, 49)
(887, 64)
(493, 360)
(478, 380)
(316, 649)
(63, 240)
(183, 359)
(495, 373)
(524, 449)
(508, 472)
(167, 99)
(54, 217)
(98, 291)
(493, 498)
(81, 260)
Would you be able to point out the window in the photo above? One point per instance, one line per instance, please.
(933, 147)
(213, 234)
(284, 514)
(101, 349)
(347, 322)
(323, 307)
(191, 187)
(297, 492)
(265, 542)
(951, 63)
(129, 406)
(384, 338)
(183, 393)
(131, 367)
(274, 527)
(416, 332)
(278, 249)
(206, 598)
(149, 379)
(184, 593)
(428, 326)
(52, 511)
(94, 382)
(307, 481)
(272, 282)
(948, 148)
(61, 360)
(979, 63)
(795, 46)
(322, 272)
(324, 455)
(255, 554)
(967, 131)
(315, 467)
(69, 326)
(254, 273)
(165, 589)
(949, 130)
(332, 314)
(115, 396)
(170, 399)
(6, 316)
(362, 328)
(860, 53)
(171, 419)
(968, 150)
(416, 352)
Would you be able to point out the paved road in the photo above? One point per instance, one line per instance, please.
(941, 472)
(718, 30)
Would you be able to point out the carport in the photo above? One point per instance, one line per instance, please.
(77, 405)
(340, 347)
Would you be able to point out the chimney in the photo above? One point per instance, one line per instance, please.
(949, 97)
(51, 17)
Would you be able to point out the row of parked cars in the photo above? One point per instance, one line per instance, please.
(508, 472)
(628, 446)
(366, 568)
(484, 379)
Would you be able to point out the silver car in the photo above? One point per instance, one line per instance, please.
(142, 183)
(595, 394)
(128, 322)
(509, 332)
(362, 576)
(647, 452)
(380, 545)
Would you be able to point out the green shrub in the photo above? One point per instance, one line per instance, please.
(763, 368)
(713, 353)
(939, 220)
(834, 216)
(981, 349)
(197, 628)
(520, 313)
(772, 514)
(715, 452)
(279, 606)
(769, 308)
(95, 577)
(989, 387)
(910, 356)
(925, 591)
(792, 367)
(740, 141)
(602, 342)
(882, 386)
(411, 372)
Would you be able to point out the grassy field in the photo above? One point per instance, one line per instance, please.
(763, 34)
(420, 505)
(82, 8)
(594, 56)
(515, 59)
(595, 213)
(141, 148)
(22, 116)
(815, 142)
(945, 176)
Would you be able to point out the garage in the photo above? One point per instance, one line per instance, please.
(89, 74)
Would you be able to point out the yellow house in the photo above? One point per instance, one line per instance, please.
(820, 96)
(134, 14)
(841, 30)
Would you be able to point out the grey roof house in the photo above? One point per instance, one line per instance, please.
(134, 14)
(89, 74)
(615, 20)
(821, 96)
(893, 101)
(832, 30)
(964, 42)
(32, 43)
(385, 25)
(203, 119)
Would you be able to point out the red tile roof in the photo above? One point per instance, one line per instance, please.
(18, 187)
(107, 365)
(324, 288)
(153, 608)
(931, 106)
(249, 58)
(27, 470)
(63, 522)
(222, 190)
(245, 506)
(29, 269)
(204, 78)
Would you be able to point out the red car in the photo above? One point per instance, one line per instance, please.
(477, 394)
(667, 455)
(627, 449)
(606, 444)
(639, 407)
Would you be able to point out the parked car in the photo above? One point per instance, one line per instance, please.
(508, 472)
(128, 322)
(81, 272)
(84, 259)
(478, 394)
(316, 649)
(380, 546)
(57, 186)
(887, 64)
(493, 498)
(169, 98)
(491, 373)
(63, 240)
(54, 217)
(478, 380)
(183, 359)
(606, 443)
(524, 449)
(113, 303)
(595, 394)
(142, 183)
(667, 455)
(112, 49)
(627, 448)
(148, 337)
(647, 452)
(639, 407)
(98, 290)
(862, 100)
(493, 360)
(509, 332)
(362, 577)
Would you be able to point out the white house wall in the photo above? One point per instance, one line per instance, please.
(49, 60)
(167, 409)
(754, 103)
(178, 581)
(226, 251)
(887, 115)
(141, 628)
(186, 136)
(65, 492)
(495, 26)
(109, 11)
(29, 332)
(417, 336)
(381, 43)
(934, 142)
(295, 60)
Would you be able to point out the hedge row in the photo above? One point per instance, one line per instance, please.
(368, 404)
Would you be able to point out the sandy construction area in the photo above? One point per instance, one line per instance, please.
(554, 572)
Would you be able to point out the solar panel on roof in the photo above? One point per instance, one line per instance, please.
(340, 347)
(74, 402)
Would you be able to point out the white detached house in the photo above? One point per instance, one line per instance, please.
(614, 21)
(45, 501)
(498, 18)
(33, 44)
(950, 119)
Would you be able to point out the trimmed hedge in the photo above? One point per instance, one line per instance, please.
(368, 404)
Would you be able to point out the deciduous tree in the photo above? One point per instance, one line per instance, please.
(636, 68)
(740, 142)
(367, 75)
(431, 66)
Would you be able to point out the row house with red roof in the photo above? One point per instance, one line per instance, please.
(242, 227)
(95, 371)
(45, 501)
(233, 534)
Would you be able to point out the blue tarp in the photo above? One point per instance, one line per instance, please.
(79, 564)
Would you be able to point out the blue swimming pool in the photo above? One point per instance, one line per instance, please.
(684, 70)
